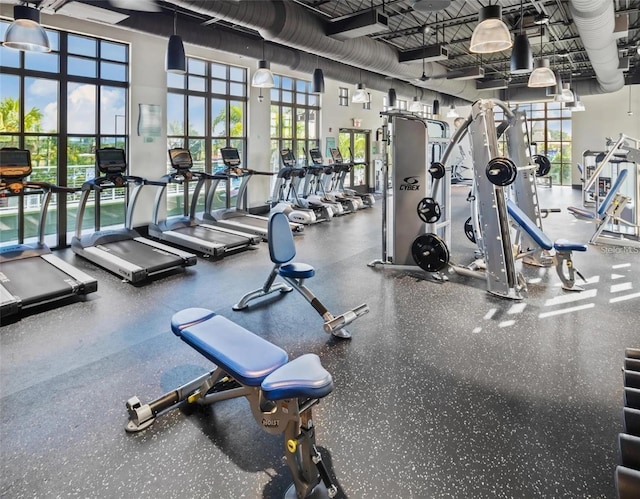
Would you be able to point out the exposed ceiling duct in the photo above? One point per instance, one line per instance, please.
(595, 21)
(289, 24)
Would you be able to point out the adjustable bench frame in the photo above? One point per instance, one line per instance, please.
(280, 393)
(282, 251)
(563, 248)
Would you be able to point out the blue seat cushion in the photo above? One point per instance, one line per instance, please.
(579, 212)
(564, 245)
(246, 357)
(302, 377)
(297, 271)
(528, 225)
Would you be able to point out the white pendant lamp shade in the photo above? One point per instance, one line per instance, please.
(25, 32)
(491, 34)
(452, 113)
(542, 76)
(360, 96)
(566, 95)
(415, 106)
(263, 77)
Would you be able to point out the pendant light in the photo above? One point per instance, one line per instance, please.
(391, 97)
(360, 96)
(521, 57)
(542, 76)
(263, 77)
(175, 60)
(318, 79)
(25, 32)
(436, 108)
(416, 105)
(491, 34)
(452, 113)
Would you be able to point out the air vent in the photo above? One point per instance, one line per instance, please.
(354, 26)
(91, 13)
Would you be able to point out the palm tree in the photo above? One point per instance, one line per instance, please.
(10, 117)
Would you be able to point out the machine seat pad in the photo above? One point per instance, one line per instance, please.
(246, 357)
(528, 225)
(297, 271)
(565, 245)
(581, 213)
(302, 377)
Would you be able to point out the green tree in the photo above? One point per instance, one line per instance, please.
(10, 120)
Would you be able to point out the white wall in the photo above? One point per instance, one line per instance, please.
(605, 116)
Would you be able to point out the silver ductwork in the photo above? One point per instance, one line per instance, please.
(595, 21)
(291, 25)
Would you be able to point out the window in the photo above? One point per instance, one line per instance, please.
(81, 86)
(343, 96)
(294, 119)
(549, 127)
(401, 104)
(206, 110)
(367, 105)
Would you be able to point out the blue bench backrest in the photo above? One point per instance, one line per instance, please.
(528, 225)
(612, 192)
(282, 248)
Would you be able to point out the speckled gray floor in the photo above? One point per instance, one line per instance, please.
(444, 390)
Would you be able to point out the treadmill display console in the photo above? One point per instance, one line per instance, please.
(111, 160)
(316, 156)
(230, 156)
(180, 158)
(337, 157)
(15, 163)
(287, 157)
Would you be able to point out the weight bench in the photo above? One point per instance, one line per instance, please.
(608, 212)
(563, 248)
(280, 392)
(282, 251)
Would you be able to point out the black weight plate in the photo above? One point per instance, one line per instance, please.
(430, 252)
(429, 210)
(544, 165)
(501, 171)
(437, 170)
(468, 231)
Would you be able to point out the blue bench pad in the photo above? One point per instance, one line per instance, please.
(564, 245)
(302, 377)
(297, 271)
(248, 358)
(528, 225)
(579, 212)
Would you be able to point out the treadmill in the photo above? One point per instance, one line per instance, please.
(123, 251)
(30, 275)
(236, 217)
(185, 230)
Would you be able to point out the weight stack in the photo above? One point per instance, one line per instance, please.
(628, 470)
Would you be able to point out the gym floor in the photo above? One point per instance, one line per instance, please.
(444, 390)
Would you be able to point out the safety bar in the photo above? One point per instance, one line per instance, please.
(345, 319)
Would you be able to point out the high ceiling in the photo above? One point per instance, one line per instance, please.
(454, 25)
(407, 27)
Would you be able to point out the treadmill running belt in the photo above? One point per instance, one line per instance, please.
(146, 257)
(214, 236)
(254, 222)
(35, 280)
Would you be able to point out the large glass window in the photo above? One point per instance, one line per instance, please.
(294, 119)
(61, 106)
(549, 126)
(206, 110)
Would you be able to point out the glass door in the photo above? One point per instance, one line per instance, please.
(354, 147)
